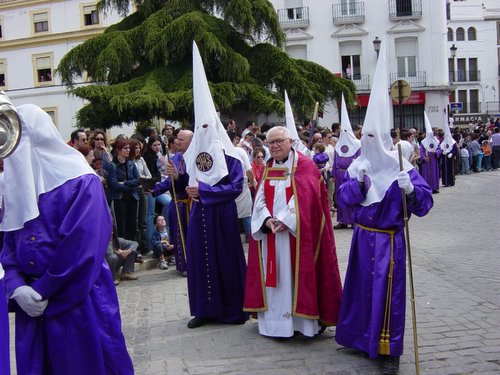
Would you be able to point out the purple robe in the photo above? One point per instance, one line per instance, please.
(215, 258)
(61, 255)
(181, 198)
(448, 167)
(4, 334)
(340, 165)
(429, 170)
(365, 287)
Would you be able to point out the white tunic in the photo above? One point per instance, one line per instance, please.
(244, 200)
(278, 321)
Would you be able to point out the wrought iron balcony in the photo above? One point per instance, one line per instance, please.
(361, 81)
(465, 76)
(415, 79)
(348, 12)
(294, 17)
(405, 9)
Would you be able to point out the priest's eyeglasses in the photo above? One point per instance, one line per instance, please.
(277, 142)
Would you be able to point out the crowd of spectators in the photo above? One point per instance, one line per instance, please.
(124, 164)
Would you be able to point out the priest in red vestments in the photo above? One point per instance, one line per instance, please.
(293, 279)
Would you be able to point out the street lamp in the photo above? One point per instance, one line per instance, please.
(376, 45)
(453, 51)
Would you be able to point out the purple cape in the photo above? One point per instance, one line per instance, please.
(448, 167)
(429, 170)
(61, 255)
(215, 259)
(339, 169)
(365, 287)
(4, 334)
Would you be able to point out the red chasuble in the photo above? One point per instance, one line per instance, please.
(317, 287)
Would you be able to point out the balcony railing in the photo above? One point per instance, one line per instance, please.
(415, 79)
(465, 76)
(361, 81)
(294, 17)
(405, 9)
(348, 12)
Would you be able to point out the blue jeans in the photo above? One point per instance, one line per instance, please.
(465, 166)
(247, 224)
(164, 200)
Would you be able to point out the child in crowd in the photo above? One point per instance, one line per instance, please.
(486, 148)
(464, 155)
(162, 248)
(320, 158)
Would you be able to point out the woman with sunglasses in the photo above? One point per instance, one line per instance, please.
(257, 167)
(99, 142)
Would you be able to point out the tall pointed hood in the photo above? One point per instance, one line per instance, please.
(376, 139)
(204, 158)
(448, 141)
(430, 142)
(290, 125)
(347, 144)
(41, 163)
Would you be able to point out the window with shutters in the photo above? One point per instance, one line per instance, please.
(2, 73)
(90, 15)
(41, 22)
(43, 69)
(52, 112)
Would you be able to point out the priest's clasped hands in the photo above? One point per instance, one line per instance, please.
(275, 225)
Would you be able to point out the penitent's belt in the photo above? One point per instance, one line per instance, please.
(383, 346)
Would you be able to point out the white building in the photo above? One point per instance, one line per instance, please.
(34, 36)
(340, 35)
(474, 31)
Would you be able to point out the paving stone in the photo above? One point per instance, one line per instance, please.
(455, 264)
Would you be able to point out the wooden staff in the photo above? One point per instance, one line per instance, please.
(179, 221)
(410, 268)
(314, 123)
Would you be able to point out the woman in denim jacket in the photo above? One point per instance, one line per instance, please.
(123, 184)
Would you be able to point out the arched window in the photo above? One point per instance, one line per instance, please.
(460, 34)
(471, 33)
(450, 35)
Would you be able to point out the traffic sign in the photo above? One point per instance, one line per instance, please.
(400, 91)
(456, 106)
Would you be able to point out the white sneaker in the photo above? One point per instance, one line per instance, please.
(163, 265)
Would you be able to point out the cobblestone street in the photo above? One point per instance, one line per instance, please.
(457, 288)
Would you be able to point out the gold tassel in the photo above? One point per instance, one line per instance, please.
(383, 345)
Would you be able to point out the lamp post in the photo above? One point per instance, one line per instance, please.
(453, 53)
(376, 45)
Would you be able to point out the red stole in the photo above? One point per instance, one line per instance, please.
(269, 191)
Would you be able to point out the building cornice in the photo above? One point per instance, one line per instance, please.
(13, 4)
(43, 40)
(349, 31)
(295, 35)
(406, 26)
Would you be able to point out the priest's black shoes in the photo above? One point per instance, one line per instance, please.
(391, 365)
(340, 226)
(198, 321)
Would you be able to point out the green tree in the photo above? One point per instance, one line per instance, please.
(142, 66)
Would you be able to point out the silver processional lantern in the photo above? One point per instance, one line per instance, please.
(10, 126)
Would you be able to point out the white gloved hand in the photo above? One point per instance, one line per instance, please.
(450, 155)
(363, 168)
(404, 182)
(29, 300)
